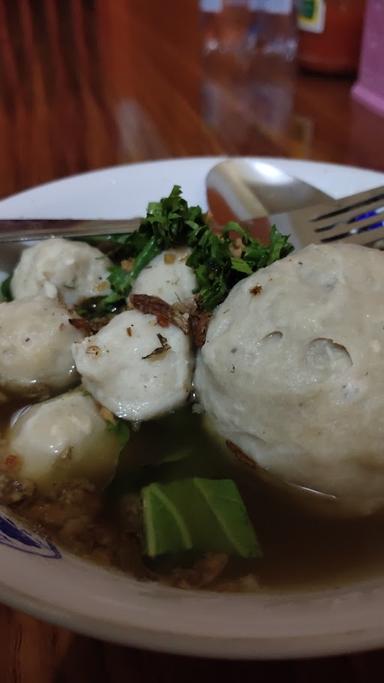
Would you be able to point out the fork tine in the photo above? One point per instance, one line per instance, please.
(350, 216)
(356, 201)
(355, 234)
(358, 220)
(354, 220)
(367, 239)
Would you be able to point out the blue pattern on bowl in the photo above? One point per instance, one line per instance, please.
(17, 537)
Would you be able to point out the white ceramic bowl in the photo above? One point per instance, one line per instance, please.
(39, 578)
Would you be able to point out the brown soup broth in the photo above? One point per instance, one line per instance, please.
(301, 549)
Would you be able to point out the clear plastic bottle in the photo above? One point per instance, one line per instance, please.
(225, 59)
(209, 9)
(225, 25)
(249, 50)
(273, 28)
(273, 41)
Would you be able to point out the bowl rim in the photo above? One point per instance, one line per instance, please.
(360, 639)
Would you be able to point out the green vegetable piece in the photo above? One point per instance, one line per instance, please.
(164, 527)
(203, 515)
(121, 429)
(99, 306)
(5, 289)
(279, 246)
(241, 266)
(121, 280)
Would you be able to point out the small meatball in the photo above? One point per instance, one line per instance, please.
(35, 348)
(135, 367)
(63, 439)
(167, 277)
(57, 267)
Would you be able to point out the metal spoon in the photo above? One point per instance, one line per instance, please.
(245, 189)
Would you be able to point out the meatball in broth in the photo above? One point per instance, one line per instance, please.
(56, 267)
(168, 277)
(135, 367)
(292, 371)
(62, 440)
(35, 348)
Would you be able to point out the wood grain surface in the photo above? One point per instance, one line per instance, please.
(91, 83)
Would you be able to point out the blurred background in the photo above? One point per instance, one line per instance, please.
(91, 83)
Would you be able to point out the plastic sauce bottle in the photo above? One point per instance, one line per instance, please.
(330, 35)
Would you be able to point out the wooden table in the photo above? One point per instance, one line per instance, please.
(92, 83)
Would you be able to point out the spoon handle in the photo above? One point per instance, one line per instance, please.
(21, 229)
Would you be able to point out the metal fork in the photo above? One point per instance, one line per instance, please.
(358, 219)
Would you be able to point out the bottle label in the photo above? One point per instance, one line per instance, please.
(312, 15)
(272, 6)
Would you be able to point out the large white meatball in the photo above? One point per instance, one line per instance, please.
(135, 367)
(292, 371)
(168, 277)
(63, 439)
(35, 347)
(58, 267)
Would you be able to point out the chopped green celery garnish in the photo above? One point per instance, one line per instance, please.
(171, 222)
